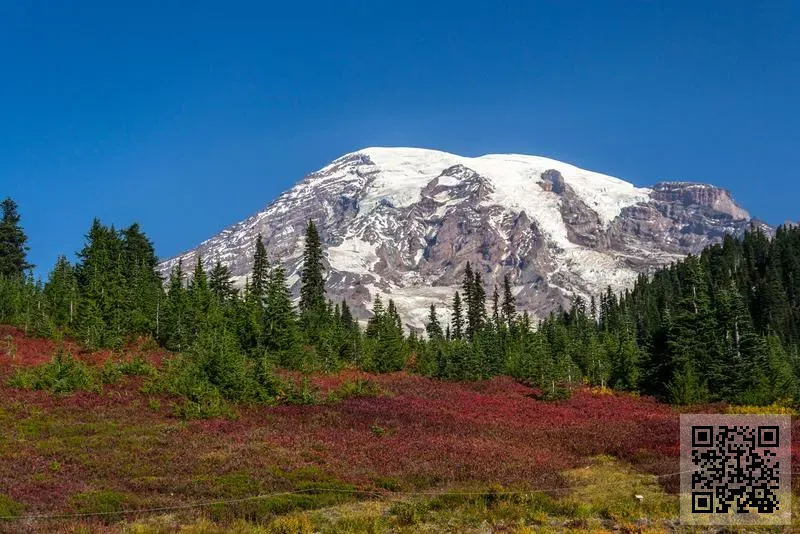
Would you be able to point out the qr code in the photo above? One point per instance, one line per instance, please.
(735, 469)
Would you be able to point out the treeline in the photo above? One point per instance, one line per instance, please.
(722, 326)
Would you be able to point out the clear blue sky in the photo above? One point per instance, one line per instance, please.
(188, 117)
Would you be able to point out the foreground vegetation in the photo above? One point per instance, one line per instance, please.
(391, 452)
(380, 452)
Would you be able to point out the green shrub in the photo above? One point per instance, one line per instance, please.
(355, 388)
(63, 374)
(211, 376)
(9, 507)
(107, 504)
(136, 366)
(305, 393)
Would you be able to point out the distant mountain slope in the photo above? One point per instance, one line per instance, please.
(404, 221)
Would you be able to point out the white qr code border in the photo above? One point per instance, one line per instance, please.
(704, 478)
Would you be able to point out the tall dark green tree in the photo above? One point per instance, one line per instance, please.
(143, 284)
(280, 322)
(313, 309)
(199, 298)
(103, 288)
(434, 328)
(61, 293)
(13, 248)
(509, 309)
(260, 275)
(220, 282)
(384, 336)
(458, 318)
(175, 329)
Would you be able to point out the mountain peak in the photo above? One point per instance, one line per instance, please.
(403, 222)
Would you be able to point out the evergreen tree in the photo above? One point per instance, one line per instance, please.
(347, 316)
(143, 285)
(386, 336)
(458, 318)
(61, 292)
(280, 322)
(509, 311)
(175, 333)
(102, 287)
(475, 295)
(313, 310)
(199, 299)
(496, 310)
(13, 250)
(433, 328)
(220, 283)
(625, 361)
(260, 276)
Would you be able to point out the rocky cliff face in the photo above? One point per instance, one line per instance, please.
(403, 223)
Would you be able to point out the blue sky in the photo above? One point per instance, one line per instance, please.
(188, 117)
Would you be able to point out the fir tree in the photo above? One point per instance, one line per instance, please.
(313, 308)
(433, 328)
(475, 296)
(468, 288)
(199, 299)
(143, 284)
(386, 337)
(509, 311)
(280, 322)
(13, 250)
(220, 283)
(496, 310)
(175, 332)
(102, 287)
(61, 292)
(260, 275)
(458, 318)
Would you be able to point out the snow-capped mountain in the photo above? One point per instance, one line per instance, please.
(403, 222)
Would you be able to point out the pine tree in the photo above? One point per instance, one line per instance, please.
(199, 299)
(347, 316)
(468, 288)
(350, 342)
(175, 334)
(693, 336)
(475, 295)
(220, 283)
(260, 276)
(280, 322)
(13, 250)
(102, 287)
(458, 318)
(496, 310)
(61, 292)
(386, 337)
(313, 309)
(509, 309)
(625, 361)
(143, 285)
(433, 328)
